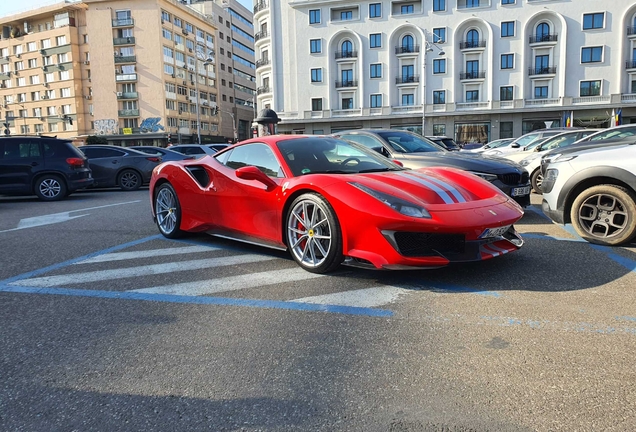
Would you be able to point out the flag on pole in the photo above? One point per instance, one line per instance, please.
(618, 117)
(568, 119)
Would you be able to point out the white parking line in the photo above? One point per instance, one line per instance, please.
(154, 269)
(232, 283)
(368, 297)
(120, 256)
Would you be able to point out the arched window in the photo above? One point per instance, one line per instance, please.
(407, 44)
(472, 39)
(346, 49)
(543, 32)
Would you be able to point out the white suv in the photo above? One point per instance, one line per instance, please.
(595, 190)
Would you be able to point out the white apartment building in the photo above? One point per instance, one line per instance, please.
(236, 69)
(476, 70)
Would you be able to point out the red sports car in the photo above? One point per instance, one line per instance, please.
(331, 202)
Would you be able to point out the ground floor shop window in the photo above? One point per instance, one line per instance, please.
(505, 130)
(411, 128)
(531, 125)
(439, 129)
(466, 133)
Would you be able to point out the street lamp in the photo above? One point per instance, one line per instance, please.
(428, 48)
(206, 62)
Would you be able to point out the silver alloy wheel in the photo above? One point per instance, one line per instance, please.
(309, 233)
(539, 180)
(129, 180)
(50, 188)
(166, 208)
(603, 216)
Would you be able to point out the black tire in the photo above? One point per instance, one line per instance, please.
(605, 215)
(50, 187)
(129, 180)
(314, 243)
(536, 179)
(166, 205)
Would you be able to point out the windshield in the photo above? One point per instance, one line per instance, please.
(331, 155)
(526, 139)
(614, 133)
(405, 142)
(498, 143)
(558, 141)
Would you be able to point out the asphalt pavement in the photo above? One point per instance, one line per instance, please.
(105, 325)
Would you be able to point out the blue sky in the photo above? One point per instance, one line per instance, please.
(9, 7)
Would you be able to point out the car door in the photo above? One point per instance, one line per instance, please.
(105, 164)
(246, 207)
(20, 158)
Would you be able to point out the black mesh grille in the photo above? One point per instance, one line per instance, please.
(417, 244)
(510, 178)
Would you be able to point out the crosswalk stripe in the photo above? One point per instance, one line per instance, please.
(231, 283)
(154, 269)
(120, 256)
(365, 298)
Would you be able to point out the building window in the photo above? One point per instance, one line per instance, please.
(472, 3)
(376, 101)
(376, 70)
(408, 73)
(346, 15)
(634, 87)
(590, 88)
(439, 97)
(375, 10)
(507, 2)
(439, 66)
(166, 34)
(439, 35)
(315, 46)
(591, 54)
(346, 75)
(506, 93)
(347, 103)
(406, 9)
(439, 5)
(593, 20)
(316, 104)
(472, 96)
(408, 99)
(316, 75)
(507, 29)
(472, 69)
(375, 40)
(439, 129)
(541, 92)
(314, 16)
(505, 130)
(507, 61)
(165, 16)
(542, 64)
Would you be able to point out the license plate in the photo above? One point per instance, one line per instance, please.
(495, 232)
(520, 191)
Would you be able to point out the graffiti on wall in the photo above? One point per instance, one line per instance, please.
(105, 127)
(151, 125)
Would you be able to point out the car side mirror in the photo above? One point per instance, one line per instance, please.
(385, 152)
(253, 173)
(515, 145)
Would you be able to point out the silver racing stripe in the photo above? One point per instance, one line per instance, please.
(450, 188)
(441, 192)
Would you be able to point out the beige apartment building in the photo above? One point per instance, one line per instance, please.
(133, 71)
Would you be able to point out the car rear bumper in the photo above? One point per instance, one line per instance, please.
(85, 180)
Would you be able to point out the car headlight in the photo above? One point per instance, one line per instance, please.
(485, 176)
(551, 175)
(562, 158)
(398, 204)
(526, 161)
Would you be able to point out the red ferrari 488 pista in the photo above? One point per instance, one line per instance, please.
(330, 201)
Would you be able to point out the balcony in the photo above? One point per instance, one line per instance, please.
(530, 103)
(262, 62)
(466, 45)
(127, 22)
(407, 49)
(407, 79)
(125, 59)
(631, 31)
(261, 5)
(64, 66)
(548, 70)
(340, 55)
(470, 4)
(630, 64)
(128, 113)
(406, 109)
(5, 75)
(472, 105)
(126, 77)
(62, 49)
(585, 100)
(261, 35)
(124, 41)
(546, 38)
(4, 60)
(472, 75)
(628, 98)
(263, 89)
(127, 95)
(347, 83)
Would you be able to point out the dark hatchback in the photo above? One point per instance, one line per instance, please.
(48, 167)
(415, 151)
(120, 166)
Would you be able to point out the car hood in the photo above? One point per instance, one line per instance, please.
(467, 161)
(575, 148)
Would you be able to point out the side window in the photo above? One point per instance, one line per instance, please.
(96, 153)
(21, 150)
(258, 155)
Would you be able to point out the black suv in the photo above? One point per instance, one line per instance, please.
(48, 167)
